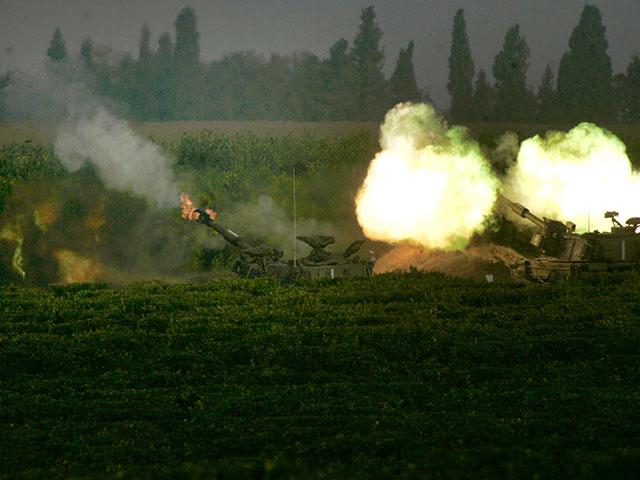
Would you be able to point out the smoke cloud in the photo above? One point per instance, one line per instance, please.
(430, 184)
(272, 224)
(87, 131)
(124, 160)
(576, 176)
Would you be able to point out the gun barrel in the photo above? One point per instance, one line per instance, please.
(227, 234)
(522, 211)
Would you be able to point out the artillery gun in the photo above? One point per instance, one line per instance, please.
(566, 253)
(263, 260)
(267, 261)
(320, 263)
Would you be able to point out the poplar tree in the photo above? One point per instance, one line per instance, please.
(374, 96)
(341, 79)
(164, 93)
(403, 80)
(461, 72)
(484, 97)
(57, 50)
(585, 89)
(86, 54)
(629, 95)
(514, 101)
(189, 103)
(143, 104)
(546, 98)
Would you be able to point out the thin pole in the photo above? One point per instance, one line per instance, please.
(294, 217)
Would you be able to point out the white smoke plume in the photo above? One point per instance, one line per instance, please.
(87, 131)
(124, 160)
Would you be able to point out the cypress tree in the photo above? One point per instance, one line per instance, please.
(341, 78)
(629, 94)
(189, 103)
(585, 90)
(546, 98)
(484, 97)
(143, 105)
(403, 80)
(57, 50)
(164, 93)
(86, 54)
(374, 96)
(461, 72)
(514, 101)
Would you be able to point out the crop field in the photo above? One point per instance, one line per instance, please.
(44, 133)
(402, 375)
(410, 375)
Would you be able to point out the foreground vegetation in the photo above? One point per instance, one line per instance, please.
(398, 376)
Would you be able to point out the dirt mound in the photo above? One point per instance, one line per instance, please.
(474, 262)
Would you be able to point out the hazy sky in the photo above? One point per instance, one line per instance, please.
(286, 26)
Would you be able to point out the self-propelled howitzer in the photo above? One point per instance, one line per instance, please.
(263, 260)
(566, 253)
(267, 261)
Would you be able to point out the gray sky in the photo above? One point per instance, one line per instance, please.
(287, 26)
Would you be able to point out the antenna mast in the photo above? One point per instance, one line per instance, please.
(294, 217)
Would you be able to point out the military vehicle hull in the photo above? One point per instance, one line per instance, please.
(567, 254)
(265, 261)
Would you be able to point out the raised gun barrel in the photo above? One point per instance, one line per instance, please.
(227, 234)
(548, 225)
(522, 211)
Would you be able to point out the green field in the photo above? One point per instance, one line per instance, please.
(399, 376)
(45, 133)
(409, 375)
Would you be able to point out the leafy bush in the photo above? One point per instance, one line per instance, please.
(25, 161)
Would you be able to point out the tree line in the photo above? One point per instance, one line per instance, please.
(585, 88)
(172, 83)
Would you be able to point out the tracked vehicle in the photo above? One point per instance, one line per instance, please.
(266, 261)
(566, 253)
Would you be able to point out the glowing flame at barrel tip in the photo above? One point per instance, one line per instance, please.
(189, 210)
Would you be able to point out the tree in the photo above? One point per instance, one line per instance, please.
(187, 69)
(86, 54)
(57, 50)
(585, 90)
(5, 80)
(144, 47)
(461, 72)
(187, 52)
(514, 101)
(341, 79)
(484, 97)
(143, 105)
(546, 98)
(403, 80)
(374, 95)
(164, 91)
(629, 92)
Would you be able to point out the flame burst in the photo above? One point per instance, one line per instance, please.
(576, 176)
(430, 184)
(189, 209)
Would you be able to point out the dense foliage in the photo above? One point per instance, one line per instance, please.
(224, 170)
(399, 376)
(24, 162)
